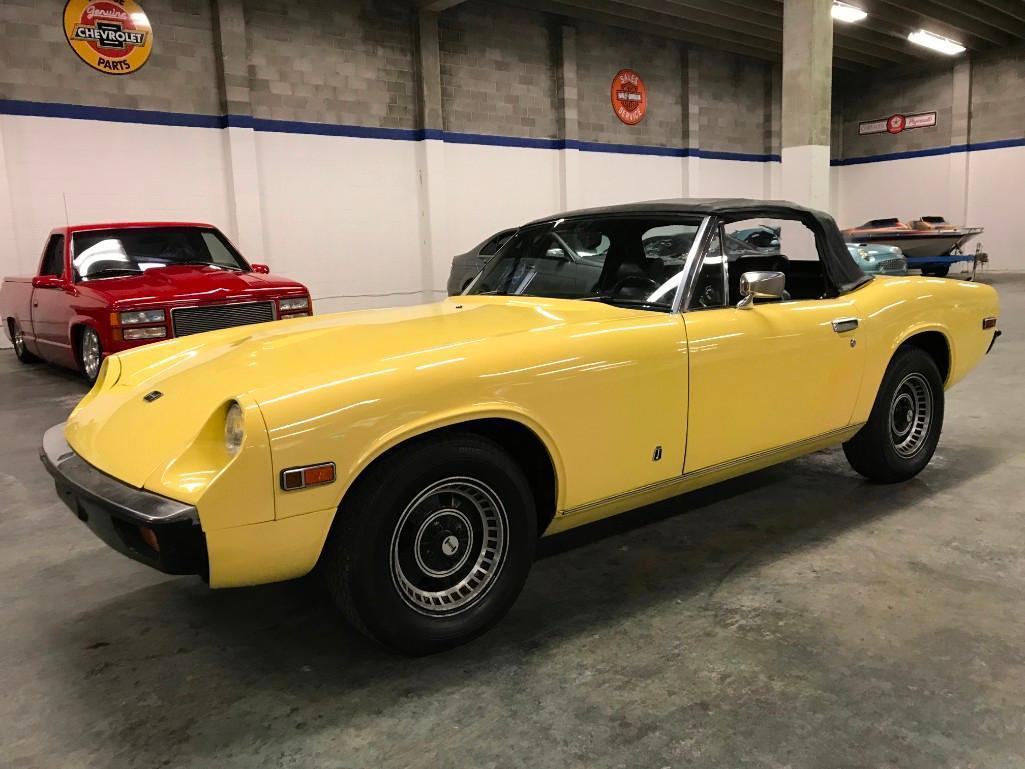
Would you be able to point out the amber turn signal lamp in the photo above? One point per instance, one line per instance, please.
(150, 538)
(295, 478)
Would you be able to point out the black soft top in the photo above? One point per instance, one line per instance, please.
(839, 265)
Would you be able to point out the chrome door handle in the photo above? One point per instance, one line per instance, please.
(843, 325)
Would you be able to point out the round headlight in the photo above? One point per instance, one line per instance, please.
(234, 429)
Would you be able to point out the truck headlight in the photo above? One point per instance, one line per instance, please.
(234, 429)
(143, 316)
(295, 304)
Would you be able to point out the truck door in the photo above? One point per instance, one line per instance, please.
(49, 306)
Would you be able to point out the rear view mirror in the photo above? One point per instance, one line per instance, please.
(47, 281)
(761, 285)
(261, 269)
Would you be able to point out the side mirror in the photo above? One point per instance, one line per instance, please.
(47, 281)
(761, 285)
(261, 269)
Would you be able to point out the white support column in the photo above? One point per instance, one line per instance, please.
(240, 140)
(807, 86)
(430, 163)
(960, 134)
(570, 193)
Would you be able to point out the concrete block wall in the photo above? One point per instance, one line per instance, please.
(881, 95)
(735, 103)
(321, 61)
(998, 97)
(37, 64)
(498, 74)
(601, 53)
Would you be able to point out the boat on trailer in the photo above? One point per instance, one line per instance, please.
(930, 244)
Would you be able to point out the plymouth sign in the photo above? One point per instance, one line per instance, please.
(896, 124)
(113, 36)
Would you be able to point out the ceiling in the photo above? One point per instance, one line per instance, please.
(755, 27)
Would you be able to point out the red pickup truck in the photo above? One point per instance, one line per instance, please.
(103, 288)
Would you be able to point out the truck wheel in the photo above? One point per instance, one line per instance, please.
(18, 340)
(90, 354)
(904, 427)
(936, 270)
(433, 545)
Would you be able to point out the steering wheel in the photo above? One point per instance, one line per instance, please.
(641, 281)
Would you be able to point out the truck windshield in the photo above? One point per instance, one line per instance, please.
(100, 254)
(627, 261)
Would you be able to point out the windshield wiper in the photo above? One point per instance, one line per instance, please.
(617, 301)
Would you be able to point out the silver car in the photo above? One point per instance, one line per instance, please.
(466, 266)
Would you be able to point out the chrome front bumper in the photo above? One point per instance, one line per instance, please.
(128, 519)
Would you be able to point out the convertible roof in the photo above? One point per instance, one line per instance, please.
(840, 266)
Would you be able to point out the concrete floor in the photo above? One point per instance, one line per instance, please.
(799, 617)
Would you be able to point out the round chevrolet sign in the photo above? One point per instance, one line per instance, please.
(113, 36)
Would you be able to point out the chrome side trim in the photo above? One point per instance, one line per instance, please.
(697, 248)
(710, 470)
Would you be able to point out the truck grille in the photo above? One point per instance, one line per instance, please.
(196, 320)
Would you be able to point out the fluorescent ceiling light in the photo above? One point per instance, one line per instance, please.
(847, 13)
(936, 42)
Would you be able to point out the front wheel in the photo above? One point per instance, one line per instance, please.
(90, 354)
(936, 270)
(433, 545)
(904, 427)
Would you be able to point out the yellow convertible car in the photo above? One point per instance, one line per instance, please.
(603, 360)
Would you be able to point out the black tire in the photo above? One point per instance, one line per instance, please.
(424, 506)
(936, 270)
(90, 357)
(20, 350)
(904, 427)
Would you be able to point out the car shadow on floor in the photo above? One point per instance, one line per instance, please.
(226, 652)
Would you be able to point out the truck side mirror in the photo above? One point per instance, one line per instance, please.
(261, 269)
(47, 281)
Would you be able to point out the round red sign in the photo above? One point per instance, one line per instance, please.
(895, 124)
(629, 97)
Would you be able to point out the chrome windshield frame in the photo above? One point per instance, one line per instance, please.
(692, 265)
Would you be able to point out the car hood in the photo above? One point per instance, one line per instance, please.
(188, 284)
(274, 364)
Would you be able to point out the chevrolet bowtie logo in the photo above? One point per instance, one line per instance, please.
(152, 396)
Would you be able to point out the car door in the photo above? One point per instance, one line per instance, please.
(50, 306)
(768, 376)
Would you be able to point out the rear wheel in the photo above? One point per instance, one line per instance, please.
(90, 354)
(904, 427)
(18, 340)
(432, 547)
(936, 270)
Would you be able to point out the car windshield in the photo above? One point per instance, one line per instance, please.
(621, 260)
(111, 253)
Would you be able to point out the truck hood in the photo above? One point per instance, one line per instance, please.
(130, 438)
(188, 284)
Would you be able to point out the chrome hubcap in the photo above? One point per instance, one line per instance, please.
(19, 341)
(91, 354)
(449, 546)
(910, 415)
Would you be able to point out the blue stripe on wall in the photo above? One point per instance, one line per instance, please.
(180, 119)
(972, 147)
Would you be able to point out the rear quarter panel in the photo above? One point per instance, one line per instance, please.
(894, 309)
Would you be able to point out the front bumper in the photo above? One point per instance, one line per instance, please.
(146, 527)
